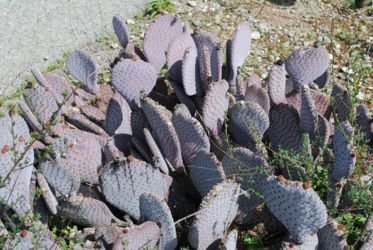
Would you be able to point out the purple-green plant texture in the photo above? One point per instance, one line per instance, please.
(180, 148)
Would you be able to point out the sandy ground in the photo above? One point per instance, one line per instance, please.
(36, 33)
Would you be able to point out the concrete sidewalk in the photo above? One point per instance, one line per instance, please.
(37, 32)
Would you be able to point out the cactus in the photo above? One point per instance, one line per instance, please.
(175, 54)
(304, 66)
(158, 37)
(84, 67)
(183, 98)
(205, 172)
(43, 239)
(308, 113)
(145, 235)
(108, 234)
(121, 30)
(311, 243)
(217, 211)
(364, 121)
(345, 157)
(320, 100)
(16, 163)
(238, 50)
(59, 87)
(231, 240)
(322, 80)
(247, 123)
(49, 199)
(284, 131)
(42, 103)
(156, 152)
(277, 83)
(160, 121)
(209, 42)
(296, 205)
(79, 152)
(154, 209)
(87, 211)
(118, 116)
(190, 133)
(188, 71)
(76, 118)
(66, 181)
(92, 113)
(331, 237)
(131, 179)
(258, 95)
(214, 106)
(132, 78)
(341, 102)
(250, 171)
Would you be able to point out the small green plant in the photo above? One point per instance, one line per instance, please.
(156, 7)
(252, 241)
(354, 224)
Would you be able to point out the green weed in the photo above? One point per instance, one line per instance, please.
(156, 7)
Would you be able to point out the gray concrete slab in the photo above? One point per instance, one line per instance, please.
(37, 32)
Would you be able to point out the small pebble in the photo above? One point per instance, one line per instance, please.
(192, 3)
(130, 21)
(255, 35)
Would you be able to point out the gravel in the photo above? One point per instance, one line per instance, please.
(38, 34)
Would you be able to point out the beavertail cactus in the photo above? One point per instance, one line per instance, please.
(308, 112)
(49, 199)
(175, 54)
(277, 83)
(322, 80)
(331, 237)
(145, 235)
(296, 205)
(79, 152)
(258, 95)
(341, 102)
(132, 78)
(320, 100)
(76, 118)
(188, 71)
(183, 98)
(160, 121)
(311, 243)
(158, 37)
(131, 179)
(364, 121)
(16, 163)
(304, 66)
(214, 106)
(190, 132)
(154, 209)
(247, 123)
(121, 30)
(230, 241)
(87, 211)
(205, 172)
(84, 67)
(239, 50)
(118, 116)
(158, 157)
(42, 103)
(284, 131)
(208, 42)
(345, 157)
(250, 170)
(217, 211)
(66, 181)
